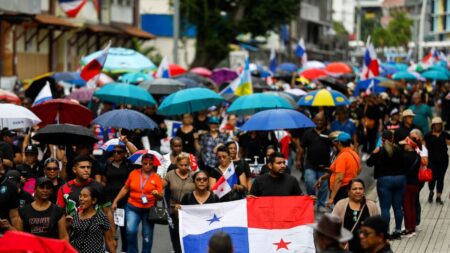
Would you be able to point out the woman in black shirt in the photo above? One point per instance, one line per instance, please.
(201, 195)
(186, 133)
(42, 217)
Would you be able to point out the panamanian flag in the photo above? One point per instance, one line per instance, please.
(72, 7)
(44, 95)
(370, 67)
(256, 225)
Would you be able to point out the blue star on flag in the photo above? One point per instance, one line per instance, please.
(214, 219)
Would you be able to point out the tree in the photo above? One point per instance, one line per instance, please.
(218, 22)
(396, 34)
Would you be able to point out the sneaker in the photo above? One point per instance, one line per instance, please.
(322, 209)
(430, 197)
(409, 235)
(439, 201)
(396, 235)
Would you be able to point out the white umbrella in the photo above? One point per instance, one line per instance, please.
(313, 65)
(296, 92)
(16, 116)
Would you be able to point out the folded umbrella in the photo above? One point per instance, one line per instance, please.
(277, 119)
(65, 134)
(62, 111)
(121, 93)
(15, 116)
(124, 118)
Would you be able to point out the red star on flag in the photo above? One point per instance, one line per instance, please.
(282, 244)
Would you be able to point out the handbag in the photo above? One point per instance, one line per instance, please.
(425, 174)
(159, 214)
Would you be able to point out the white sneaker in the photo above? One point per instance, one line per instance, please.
(409, 235)
(322, 209)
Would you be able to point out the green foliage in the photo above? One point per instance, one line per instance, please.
(339, 28)
(397, 33)
(150, 51)
(218, 22)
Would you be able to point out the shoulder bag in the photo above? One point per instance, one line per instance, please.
(159, 214)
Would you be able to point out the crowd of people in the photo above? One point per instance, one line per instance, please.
(71, 192)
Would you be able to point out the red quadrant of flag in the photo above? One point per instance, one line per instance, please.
(280, 212)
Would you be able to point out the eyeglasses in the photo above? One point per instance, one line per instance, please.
(201, 179)
(118, 152)
(366, 233)
(52, 168)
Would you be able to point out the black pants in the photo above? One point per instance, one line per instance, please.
(174, 234)
(341, 194)
(439, 170)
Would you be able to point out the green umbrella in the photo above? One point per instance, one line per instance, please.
(254, 103)
(122, 93)
(404, 75)
(435, 75)
(188, 101)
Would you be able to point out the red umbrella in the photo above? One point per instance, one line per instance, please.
(9, 97)
(20, 242)
(313, 73)
(201, 71)
(176, 70)
(62, 111)
(338, 68)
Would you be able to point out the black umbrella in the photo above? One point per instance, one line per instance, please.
(334, 84)
(64, 134)
(197, 78)
(162, 86)
(36, 86)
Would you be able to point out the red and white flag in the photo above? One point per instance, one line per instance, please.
(226, 182)
(72, 7)
(370, 67)
(95, 66)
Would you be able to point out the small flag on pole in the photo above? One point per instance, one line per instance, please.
(273, 60)
(300, 51)
(163, 69)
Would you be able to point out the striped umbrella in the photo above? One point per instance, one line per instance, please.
(136, 157)
(323, 97)
(109, 145)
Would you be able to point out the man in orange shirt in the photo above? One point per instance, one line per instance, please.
(345, 167)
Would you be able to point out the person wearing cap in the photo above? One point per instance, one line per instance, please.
(422, 113)
(9, 201)
(412, 163)
(330, 235)
(345, 167)
(31, 164)
(389, 172)
(393, 123)
(9, 137)
(207, 142)
(343, 124)
(6, 148)
(374, 235)
(405, 126)
(42, 217)
(436, 142)
(24, 197)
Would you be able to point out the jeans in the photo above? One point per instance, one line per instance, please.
(311, 177)
(409, 207)
(134, 216)
(390, 191)
(439, 170)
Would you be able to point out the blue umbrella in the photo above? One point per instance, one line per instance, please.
(439, 68)
(388, 69)
(435, 75)
(404, 75)
(188, 101)
(254, 103)
(287, 67)
(277, 119)
(121, 93)
(124, 118)
(122, 60)
(363, 85)
(189, 83)
(135, 77)
(73, 78)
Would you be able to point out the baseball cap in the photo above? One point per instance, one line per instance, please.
(213, 120)
(394, 111)
(7, 132)
(343, 137)
(13, 176)
(31, 149)
(408, 112)
(43, 180)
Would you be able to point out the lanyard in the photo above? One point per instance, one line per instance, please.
(143, 183)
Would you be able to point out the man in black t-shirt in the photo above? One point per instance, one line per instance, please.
(6, 148)
(316, 144)
(24, 197)
(276, 182)
(31, 168)
(9, 201)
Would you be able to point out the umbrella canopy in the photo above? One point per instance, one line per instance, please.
(313, 73)
(373, 83)
(313, 65)
(21, 242)
(135, 77)
(223, 75)
(124, 118)
(404, 75)
(435, 75)
(65, 134)
(136, 157)
(62, 111)
(121, 93)
(9, 97)
(287, 96)
(162, 86)
(83, 95)
(111, 144)
(176, 70)
(188, 101)
(338, 68)
(388, 69)
(189, 83)
(201, 71)
(197, 78)
(287, 67)
(73, 78)
(16, 116)
(323, 97)
(122, 60)
(254, 103)
(104, 79)
(277, 119)
(296, 92)
(334, 84)
(37, 83)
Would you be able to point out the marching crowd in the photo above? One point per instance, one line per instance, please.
(70, 193)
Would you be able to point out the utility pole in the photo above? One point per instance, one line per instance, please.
(358, 20)
(421, 29)
(176, 29)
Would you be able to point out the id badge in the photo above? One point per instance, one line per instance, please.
(144, 199)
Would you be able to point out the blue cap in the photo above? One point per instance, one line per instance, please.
(343, 137)
(213, 120)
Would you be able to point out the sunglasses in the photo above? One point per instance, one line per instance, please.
(52, 168)
(201, 179)
(118, 152)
